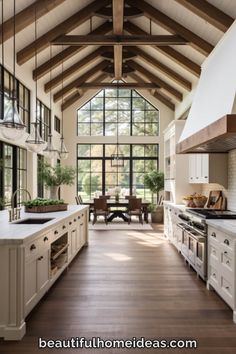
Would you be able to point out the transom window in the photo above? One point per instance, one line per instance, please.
(96, 175)
(118, 111)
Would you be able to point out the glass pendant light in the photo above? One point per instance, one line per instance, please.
(12, 126)
(50, 152)
(34, 142)
(64, 153)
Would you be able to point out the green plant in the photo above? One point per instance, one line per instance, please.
(42, 202)
(56, 176)
(154, 180)
(152, 207)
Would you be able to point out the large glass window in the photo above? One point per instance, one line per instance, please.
(118, 111)
(96, 175)
(44, 120)
(22, 95)
(13, 172)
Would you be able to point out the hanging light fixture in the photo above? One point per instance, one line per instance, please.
(117, 159)
(34, 142)
(50, 152)
(64, 153)
(12, 125)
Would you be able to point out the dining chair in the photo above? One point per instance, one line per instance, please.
(130, 197)
(104, 197)
(100, 209)
(135, 209)
(78, 199)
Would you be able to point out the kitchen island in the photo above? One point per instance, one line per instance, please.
(32, 256)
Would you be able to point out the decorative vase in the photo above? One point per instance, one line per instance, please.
(54, 192)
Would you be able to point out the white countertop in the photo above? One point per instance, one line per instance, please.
(21, 233)
(227, 226)
(178, 206)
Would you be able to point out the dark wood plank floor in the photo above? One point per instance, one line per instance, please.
(130, 284)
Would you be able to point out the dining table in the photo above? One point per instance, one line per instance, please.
(118, 208)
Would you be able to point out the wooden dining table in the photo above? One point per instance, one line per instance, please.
(121, 206)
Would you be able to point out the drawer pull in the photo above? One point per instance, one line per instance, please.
(70, 223)
(82, 215)
(225, 252)
(45, 239)
(40, 258)
(213, 234)
(226, 242)
(227, 262)
(63, 227)
(56, 232)
(32, 247)
(227, 287)
(214, 275)
(74, 220)
(78, 217)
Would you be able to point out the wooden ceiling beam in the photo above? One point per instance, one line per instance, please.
(170, 52)
(125, 85)
(163, 68)
(119, 40)
(172, 26)
(64, 27)
(129, 12)
(79, 80)
(66, 54)
(153, 78)
(209, 13)
(27, 16)
(76, 96)
(73, 69)
(117, 20)
(157, 94)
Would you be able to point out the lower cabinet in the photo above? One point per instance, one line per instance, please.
(222, 266)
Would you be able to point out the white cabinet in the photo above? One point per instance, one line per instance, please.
(208, 168)
(222, 266)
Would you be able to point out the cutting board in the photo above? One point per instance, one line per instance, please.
(216, 200)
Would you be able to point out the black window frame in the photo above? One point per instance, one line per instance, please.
(57, 124)
(43, 119)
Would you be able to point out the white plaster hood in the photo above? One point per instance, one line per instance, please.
(211, 116)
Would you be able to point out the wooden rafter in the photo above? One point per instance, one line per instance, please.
(170, 52)
(163, 68)
(153, 78)
(64, 27)
(117, 20)
(77, 95)
(209, 13)
(66, 54)
(79, 80)
(172, 26)
(27, 16)
(157, 94)
(109, 85)
(119, 40)
(130, 12)
(57, 80)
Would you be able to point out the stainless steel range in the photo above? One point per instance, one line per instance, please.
(193, 229)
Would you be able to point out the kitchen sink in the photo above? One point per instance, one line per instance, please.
(33, 221)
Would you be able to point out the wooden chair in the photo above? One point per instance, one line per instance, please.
(78, 199)
(100, 209)
(104, 197)
(130, 197)
(135, 209)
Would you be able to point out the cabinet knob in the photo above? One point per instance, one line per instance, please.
(55, 232)
(63, 227)
(226, 242)
(228, 262)
(213, 234)
(225, 252)
(45, 239)
(214, 275)
(32, 247)
(78, 217)
(40, 258)
(227, 287)
(74, 220)
(70, 223)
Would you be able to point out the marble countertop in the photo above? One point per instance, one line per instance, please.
(178, 206)
(227, 226)
(21, 233)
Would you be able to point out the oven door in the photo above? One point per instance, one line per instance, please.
(201, 257)
(179, 236)
(191, 248)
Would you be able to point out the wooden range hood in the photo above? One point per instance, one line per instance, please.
(219, 136)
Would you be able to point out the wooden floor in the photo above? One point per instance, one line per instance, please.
(130, 284)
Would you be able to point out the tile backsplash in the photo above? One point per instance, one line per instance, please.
(230, 192)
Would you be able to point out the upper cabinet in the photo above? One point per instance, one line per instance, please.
(208, 168)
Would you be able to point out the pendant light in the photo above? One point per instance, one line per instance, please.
(34, 142)
(117, 159)
(50, 152)
(64, 153)
(12, 125)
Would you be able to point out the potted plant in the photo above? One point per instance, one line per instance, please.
(154, 180)
(41, 205)
(54, 177)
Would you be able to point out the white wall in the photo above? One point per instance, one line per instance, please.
(71, 139)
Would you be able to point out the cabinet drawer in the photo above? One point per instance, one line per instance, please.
(214, 275)
(220, 237)
(227, 291)
(213, 235)
(214, 252)
(227, 261)
(44, 241)
(226, 242)
(31, 250)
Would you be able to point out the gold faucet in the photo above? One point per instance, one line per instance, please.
(14, 213)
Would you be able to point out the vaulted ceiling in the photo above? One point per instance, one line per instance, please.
(82, 45)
